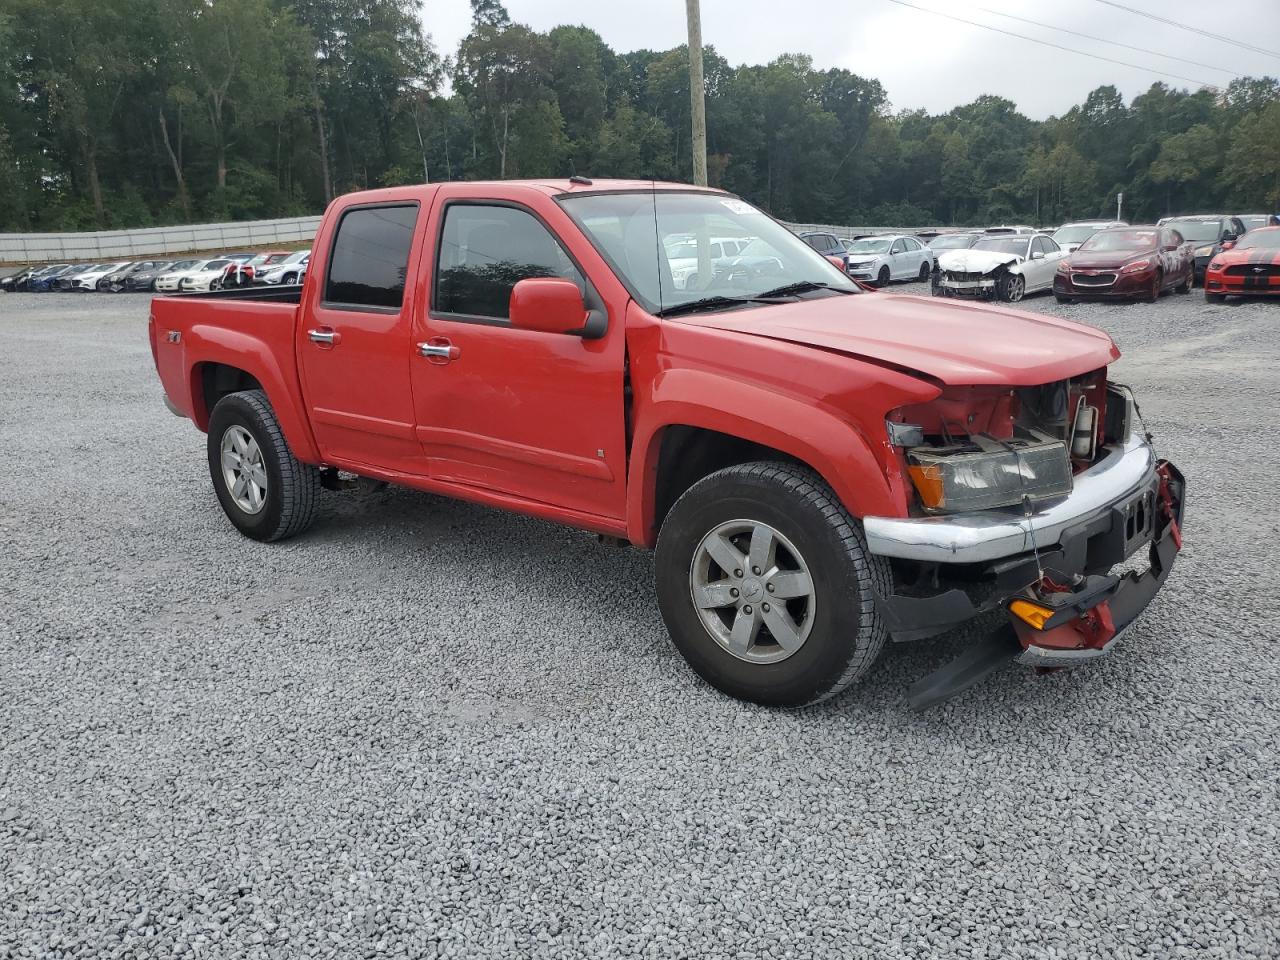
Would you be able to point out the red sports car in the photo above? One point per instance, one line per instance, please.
(1250, 268)
(1126, 263)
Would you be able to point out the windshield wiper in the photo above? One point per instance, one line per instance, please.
(802, 286)
(706, 303)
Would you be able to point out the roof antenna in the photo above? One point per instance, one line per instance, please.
(579, 179)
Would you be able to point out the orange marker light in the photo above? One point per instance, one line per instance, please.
(928, 481)
(1032, 614)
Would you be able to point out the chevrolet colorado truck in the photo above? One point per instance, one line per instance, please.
(819, 467)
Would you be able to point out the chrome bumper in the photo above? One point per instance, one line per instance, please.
(992, 534)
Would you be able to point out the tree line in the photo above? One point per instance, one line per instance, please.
(125, 113)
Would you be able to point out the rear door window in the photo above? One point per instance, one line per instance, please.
(371, 258)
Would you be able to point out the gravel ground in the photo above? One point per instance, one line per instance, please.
(426, 728)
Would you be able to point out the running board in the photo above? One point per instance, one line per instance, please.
(989, 654)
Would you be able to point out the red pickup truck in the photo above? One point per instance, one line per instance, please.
(819, 467)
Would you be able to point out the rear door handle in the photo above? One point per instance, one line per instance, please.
(324, 335)
(439, 350)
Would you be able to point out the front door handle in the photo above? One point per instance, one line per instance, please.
(439, 350)
(324, 335)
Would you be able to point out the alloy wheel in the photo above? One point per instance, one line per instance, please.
(243, 469)
(752, 591)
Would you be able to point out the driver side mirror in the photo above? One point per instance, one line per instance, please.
(548, 305)
(1037, 254)
(837, 262)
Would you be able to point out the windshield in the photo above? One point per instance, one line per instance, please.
(955, 241)
(1077, 234)
(1014, 245)
(1264, 239)
(630, 229)
(1107, 240)
(870, 245)
(1197, 231)
(182, 265)
(215, 264)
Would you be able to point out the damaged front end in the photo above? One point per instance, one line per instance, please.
(1025, 500)
(964, 280)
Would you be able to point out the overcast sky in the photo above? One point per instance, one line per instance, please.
(923, 59)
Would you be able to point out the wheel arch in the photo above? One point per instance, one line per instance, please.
(231, 361)
(679, 441)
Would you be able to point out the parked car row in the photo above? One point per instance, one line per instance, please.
(188, 275)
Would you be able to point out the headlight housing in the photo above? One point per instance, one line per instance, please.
(1205, 251)
(1137, 266)
(985, 473)
(1064, 265)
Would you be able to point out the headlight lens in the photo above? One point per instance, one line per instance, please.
(1136, 267)
(1205, 251)
(951, 481)
(1215, 265)
(1064, 266)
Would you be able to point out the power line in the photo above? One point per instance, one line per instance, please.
(1183, 26)
(1114, 43)
(1056, 46)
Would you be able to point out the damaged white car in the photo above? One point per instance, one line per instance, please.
(1000, 267)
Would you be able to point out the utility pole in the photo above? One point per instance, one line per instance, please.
(697, 94)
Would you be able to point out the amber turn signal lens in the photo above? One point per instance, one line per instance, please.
(1030, 613)
(928, 481)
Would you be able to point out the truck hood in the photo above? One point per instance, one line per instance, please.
(975, 261)
(953, 342)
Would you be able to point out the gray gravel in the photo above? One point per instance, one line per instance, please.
(427, 728)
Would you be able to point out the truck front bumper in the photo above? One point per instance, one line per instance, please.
(949, 570)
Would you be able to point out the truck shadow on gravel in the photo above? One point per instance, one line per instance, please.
(566, 568)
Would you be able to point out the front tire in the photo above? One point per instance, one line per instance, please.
(802, 628)
(265, 491)
(1013, 287)
(1215, 298)
(1156, 286)
(882, 278)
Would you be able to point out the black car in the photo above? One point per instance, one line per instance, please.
(1206, 233)
(137, 276)
(17, 281)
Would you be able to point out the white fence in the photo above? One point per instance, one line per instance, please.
(129, 244)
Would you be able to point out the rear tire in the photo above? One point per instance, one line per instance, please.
(833, 630)
(289, 489)
(925, 272)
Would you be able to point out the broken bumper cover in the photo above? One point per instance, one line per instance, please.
(1124, 473)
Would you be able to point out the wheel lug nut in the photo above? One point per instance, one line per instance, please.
(747, 608)
(737, 573)
(769, 587)
(756, 571)
(764, 607)
(733, 591)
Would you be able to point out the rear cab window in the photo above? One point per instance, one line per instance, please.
(370, 258)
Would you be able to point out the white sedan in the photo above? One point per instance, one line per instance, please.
(881, 260)
(171, 280)
(207, 276)
(88, 280)
(292, 269)
(1002, 267)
